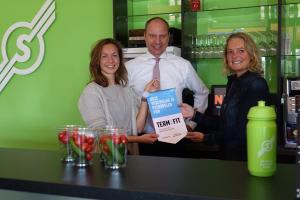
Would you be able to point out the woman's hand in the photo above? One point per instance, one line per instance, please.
(195, 136)
(152, 86)
(143, 111)
(186, 110)
(149, 138)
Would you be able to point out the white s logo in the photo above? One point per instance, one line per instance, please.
(38, 26)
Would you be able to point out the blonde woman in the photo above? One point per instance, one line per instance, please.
(245, 87)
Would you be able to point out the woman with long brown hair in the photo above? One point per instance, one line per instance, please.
(107, 100)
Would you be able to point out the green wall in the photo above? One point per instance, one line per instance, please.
(32, 105)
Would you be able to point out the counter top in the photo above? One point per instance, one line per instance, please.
(144, 177)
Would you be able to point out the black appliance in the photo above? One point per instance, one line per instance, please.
(291, 88)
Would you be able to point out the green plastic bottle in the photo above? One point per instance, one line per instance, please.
(261, 140)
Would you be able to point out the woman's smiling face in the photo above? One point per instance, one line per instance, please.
(110, 60)
(237, 56)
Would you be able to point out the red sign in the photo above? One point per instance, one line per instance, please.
(194, 5)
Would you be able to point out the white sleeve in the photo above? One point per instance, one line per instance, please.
(195, 84)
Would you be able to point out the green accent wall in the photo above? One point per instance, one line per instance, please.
(32, 105)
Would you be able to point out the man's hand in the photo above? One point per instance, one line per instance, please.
(195, 136)
(186, 110)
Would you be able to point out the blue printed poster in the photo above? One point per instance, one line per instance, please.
(166, 115)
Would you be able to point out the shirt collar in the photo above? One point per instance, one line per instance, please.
(150, 56)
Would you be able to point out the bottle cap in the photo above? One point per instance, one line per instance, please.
(261, 112)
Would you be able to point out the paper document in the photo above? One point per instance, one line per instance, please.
(166, 115)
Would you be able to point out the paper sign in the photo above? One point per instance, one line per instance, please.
(166, 115)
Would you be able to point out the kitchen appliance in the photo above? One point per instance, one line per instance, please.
(297, 97)
(291, 88)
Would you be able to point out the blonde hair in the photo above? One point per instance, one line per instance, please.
(251, 48)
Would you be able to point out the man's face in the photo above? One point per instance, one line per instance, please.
(157, 37)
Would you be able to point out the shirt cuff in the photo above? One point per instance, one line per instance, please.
(191, 123)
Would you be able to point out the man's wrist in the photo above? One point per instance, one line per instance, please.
(195, 110)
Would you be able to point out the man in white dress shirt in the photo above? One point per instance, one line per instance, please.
(175, 72)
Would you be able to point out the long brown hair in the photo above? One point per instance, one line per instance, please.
(251, 48)
(95, 70)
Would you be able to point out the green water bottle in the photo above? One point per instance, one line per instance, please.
(261, 140)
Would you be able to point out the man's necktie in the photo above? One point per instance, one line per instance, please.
(156, 74)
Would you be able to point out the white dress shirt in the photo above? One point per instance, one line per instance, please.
(175, 72)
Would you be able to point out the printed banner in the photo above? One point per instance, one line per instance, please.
(166, 115)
